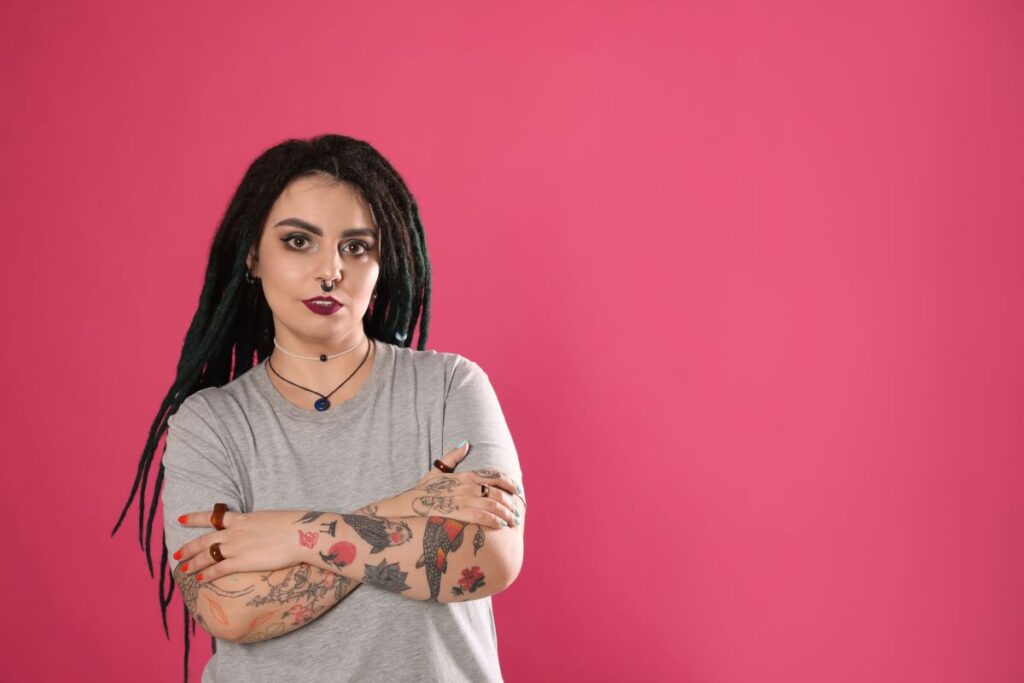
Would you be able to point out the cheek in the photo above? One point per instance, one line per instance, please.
(365, 274)
(286, 273)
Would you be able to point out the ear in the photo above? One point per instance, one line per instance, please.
(251, 260)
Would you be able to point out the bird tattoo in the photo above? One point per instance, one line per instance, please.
(379, 532)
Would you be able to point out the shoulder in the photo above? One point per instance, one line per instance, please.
(447, 364)
(211, 405)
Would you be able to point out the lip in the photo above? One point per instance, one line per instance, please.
(322, 309)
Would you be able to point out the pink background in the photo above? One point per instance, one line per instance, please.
(747, 278)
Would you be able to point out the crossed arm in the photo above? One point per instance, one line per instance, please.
(251, 606)
(422, 558)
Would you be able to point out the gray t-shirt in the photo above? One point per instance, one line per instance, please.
(246, 445)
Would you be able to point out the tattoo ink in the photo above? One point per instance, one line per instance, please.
(341, 554)
(478, 539)
(471, 579)
(439, 485)
(308, 538)
(441, 537)
(379, 532)
(311, 516)
(426, 505)
(386, 576)
(190, 587)
(218, 611)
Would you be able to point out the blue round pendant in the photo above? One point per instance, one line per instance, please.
(322, 404)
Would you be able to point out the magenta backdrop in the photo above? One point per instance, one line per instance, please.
(747, 278)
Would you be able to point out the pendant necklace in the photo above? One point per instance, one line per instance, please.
(322, 403)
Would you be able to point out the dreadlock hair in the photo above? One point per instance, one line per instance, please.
(233, 322)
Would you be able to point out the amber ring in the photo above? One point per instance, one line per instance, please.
(217, 518)
(215, 553)
(439, 464)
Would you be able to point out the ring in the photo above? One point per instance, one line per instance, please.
(444, 468)
(484, 490)
(217, 518)
(215, 553)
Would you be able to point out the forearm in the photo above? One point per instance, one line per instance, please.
(423, 558)
(248, 607)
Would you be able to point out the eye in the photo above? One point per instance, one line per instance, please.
(361, 247)
(288, 241)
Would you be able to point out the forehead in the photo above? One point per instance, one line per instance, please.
(322, 201)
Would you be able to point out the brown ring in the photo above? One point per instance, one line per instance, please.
(484, 490)
(215, 553)
(217, 518)
(439, 464)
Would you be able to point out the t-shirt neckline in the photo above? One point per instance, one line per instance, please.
(338, 411)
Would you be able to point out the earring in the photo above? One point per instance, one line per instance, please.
(249, 278)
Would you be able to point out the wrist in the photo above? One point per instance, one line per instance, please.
(396, 506)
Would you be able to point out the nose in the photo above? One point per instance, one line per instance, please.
(330, 266)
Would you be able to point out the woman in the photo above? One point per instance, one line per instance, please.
(301, 433)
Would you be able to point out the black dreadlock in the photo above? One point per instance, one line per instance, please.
(233, 322)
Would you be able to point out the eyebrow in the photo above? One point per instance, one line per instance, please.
(350, 232)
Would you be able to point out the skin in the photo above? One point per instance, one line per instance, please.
(292, 271)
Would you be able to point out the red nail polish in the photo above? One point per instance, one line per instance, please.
(182, 519)
(199, 578)
(184, 567)
(177, 554)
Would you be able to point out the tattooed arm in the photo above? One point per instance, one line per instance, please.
(247, 607)
(424, 558)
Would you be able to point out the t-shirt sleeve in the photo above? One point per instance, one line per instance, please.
(197, 470)
(472, 412)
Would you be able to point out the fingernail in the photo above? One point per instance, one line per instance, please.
(519, 488)
(184, 567)
(461, 444)
(517, 513)
(182, 519)
(177, 554)
(503, 522)
(199, 578)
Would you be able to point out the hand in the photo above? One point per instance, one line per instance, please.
(258, 541)
(459, 495)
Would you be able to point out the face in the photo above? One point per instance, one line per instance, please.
(318, 230)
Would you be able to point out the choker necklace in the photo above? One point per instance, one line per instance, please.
(321, 357)
(323, 403)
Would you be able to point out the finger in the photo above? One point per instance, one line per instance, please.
(484, 517)
(219, 569)
(196, 519)
(489, 507)
(198, 545)
(494, 478)
(203, 560)
(508, 501)
(455, 455)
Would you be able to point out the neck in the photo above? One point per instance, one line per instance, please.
(319, 375)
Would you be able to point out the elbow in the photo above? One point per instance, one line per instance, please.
(510, 558)
(189, 589)
(512, 569)
(500, 569)
(220, 632)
